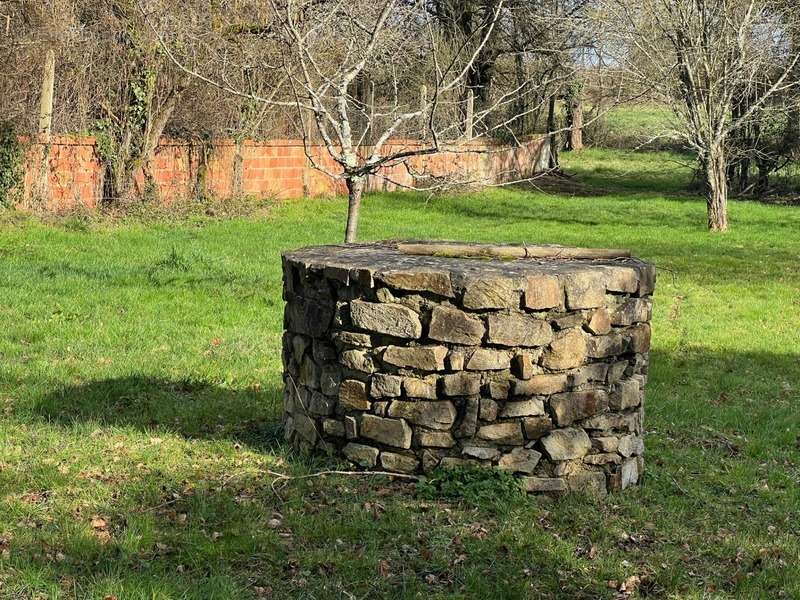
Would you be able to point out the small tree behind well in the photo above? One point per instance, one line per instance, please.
(703, 58)
(375, 84)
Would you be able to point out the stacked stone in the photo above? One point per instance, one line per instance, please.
(405, 363)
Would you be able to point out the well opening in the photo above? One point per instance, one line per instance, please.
(406, 356)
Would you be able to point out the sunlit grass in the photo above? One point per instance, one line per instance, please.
(140, 383)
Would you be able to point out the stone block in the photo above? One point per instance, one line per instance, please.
(544, 485)
(430, 460)
(353, 395)
(392, 432)
(616, 370)
(520, 460)
(487, 359)
(305, 427)
(419, 280)
(385, 295)
(518, 329)
(594, 372)
(420, 388)
(433, 439)
(357, 360)
(629, 473)
(569, 321)
(333, 428)
(455, 326)
(323, 351)
(603, 458)
(590, 483)
(350, 428)
(606, 443)
(522, 365)
(585, 289)
(543, 292)
(491, 292)
(481, 452)
(461, 384)
(423, 358)
(488, 409)
(439, 414)
(532, 407)
(385, 386)
(536, 427)
(309, 373)
(456, 360)
(399, 463)
(631, 445)
(599, 322)
(605, 346)
(329, 380)
(629, 422)
(626, 394)
(647, 280)
(364, 456)
(308, 317)
(638, 337)
(321, 405)
(540, 385)
(567, 350)
(499, 389)
(452, 462)
(390, 319)
(572, 406)
(633, 310)
(351, 338)
(300, 344)
(469, 419)
(566, 444)
(509, 433)
(622, 279)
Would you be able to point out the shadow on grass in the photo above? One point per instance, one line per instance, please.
(191, 408)
(716, 422)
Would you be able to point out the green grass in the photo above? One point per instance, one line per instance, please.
(632, 125)
(139, 383)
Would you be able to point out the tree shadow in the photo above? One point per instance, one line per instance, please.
(714, 420)
(191, 408)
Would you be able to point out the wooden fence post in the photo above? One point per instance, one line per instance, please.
(42, 186)
(470, 114)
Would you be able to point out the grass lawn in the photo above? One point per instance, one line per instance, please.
(140, 393)
(630, 125)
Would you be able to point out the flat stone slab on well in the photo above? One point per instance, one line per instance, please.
(408, 356)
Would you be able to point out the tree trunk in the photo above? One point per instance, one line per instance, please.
(576, 124)
(520, 104)
(237, 176)
(717, 192)
(42, 187)
(551, 132)
(355, 188)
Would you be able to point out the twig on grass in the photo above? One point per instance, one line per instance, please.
(283, 479)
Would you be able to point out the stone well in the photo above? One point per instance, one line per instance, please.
(407, 356)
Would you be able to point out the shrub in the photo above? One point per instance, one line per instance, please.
(11, 173)
(478, 486)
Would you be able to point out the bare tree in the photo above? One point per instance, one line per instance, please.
(702, 57)
(380, 83)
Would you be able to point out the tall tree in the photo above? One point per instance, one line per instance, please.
(702, 57)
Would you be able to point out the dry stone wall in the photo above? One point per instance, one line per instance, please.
(407, 363)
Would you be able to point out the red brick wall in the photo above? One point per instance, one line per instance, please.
(276, 168)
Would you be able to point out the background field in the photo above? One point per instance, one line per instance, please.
(140, 393)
